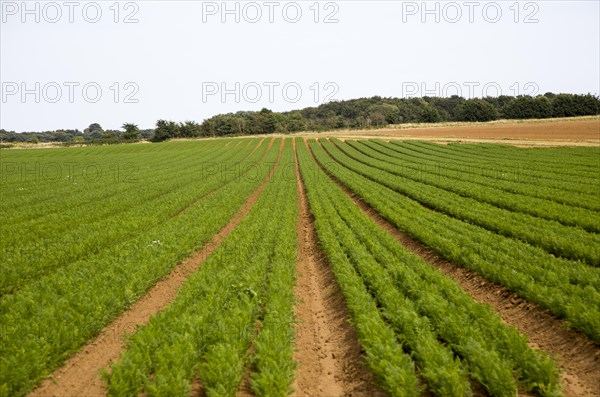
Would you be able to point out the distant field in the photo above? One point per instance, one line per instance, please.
(273, 266)
(583, 131)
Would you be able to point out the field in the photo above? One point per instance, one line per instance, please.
(572, 131)
(275, 266)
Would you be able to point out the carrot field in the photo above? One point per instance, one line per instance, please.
(293, 266)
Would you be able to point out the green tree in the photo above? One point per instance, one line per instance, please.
(265, 122)
(165, 130)
(189, 129)
(476, 110)
(526, 107)
(569, 105)
(132, 132)
(93, 132)
(430, 114)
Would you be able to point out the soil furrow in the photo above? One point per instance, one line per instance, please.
(329, 357)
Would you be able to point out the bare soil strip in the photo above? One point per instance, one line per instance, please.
(329, 357)
(80, 376)
(574, 132)
(577, 356)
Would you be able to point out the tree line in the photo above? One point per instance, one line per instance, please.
(363, 113)
(94, 134)
(377, 112)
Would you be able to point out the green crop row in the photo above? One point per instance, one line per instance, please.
(81, 195)
(570, 158)
(30, 256)
(242, 294)
(565, 241)
(520, 184)
(384, 353)
(49, 319)
(569, 216)
(451, 338)
(568, 289)
(524, 171)
(273, 364)
(75, 177)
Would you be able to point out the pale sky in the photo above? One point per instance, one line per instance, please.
(174, 59)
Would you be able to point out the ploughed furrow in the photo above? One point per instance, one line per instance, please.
(327, 351)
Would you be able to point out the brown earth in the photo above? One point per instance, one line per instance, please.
(329, 357)
(575, 132)
(576, 355)
(80, 376)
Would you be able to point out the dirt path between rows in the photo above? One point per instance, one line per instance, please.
(577, 356)
(80, 376)
(329, 357)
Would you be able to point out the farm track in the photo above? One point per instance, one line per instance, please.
(577, 356)
(327, 350)
(81, 375)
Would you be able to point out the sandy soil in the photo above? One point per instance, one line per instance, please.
(80, 376)
(577, 356)
(328, 354)
(576, 132)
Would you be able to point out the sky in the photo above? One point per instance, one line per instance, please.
(67, 64)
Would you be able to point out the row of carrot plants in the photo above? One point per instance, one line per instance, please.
(491, 177)
(63, 200)
(554, 174)
(524, 171)
(558, 239)
(569, 216)
(241, 296)
(451, 340)
(570, 158)
(570, 290)
(27, 256)
(49, 319)
(77, 177)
